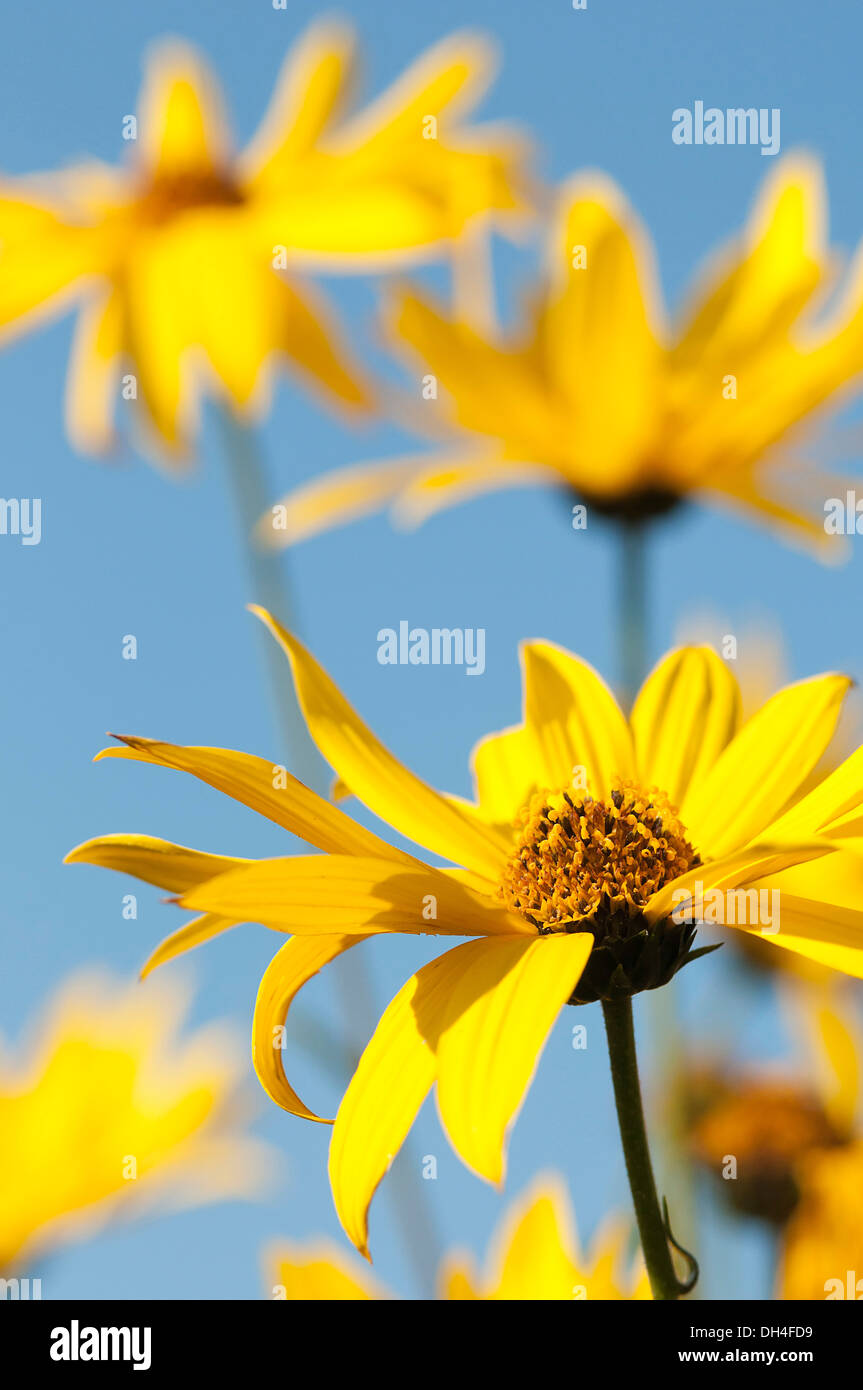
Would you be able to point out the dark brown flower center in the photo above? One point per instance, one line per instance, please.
(168, 196)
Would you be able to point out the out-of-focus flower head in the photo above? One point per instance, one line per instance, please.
(107, 1114)
(594, 393)
(534, 1256)
(184, 263)
(763, 1123)
(794, 1138)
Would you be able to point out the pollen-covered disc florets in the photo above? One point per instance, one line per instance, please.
(576, 857)
(581, 864)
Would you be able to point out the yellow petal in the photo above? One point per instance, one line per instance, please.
(458, 1281)
(265, 787)
(535, 1247)
(606, 1261)
(492, 387)
(318, 1272)
(841, 1052)
(316, 895)
(181, 124)
(309, 92)
(819, 918)
(574, 729)
(432, 490)
(43, 259)
(186, 938)
(154, 861)
(752, 314)
(308, 336)
(760, 770)
(342, 495)
(506, 769)
(686, 712)
(486, 887)
(495, 1024)
(836, 877)
(242, 315)
(379, 779)
(380, 185)
(417, 487)
(737, 869)
(293, 965)
(94, 371)
(160, 338)
(202, 293)
(826, 933)
(534, 1256)
(373, 223)
(576, 722)
(597, 335)
(745, 491)
(761, 292)
(450, 76)
(834, 807)
(392, 1079)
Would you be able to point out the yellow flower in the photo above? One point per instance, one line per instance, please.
(174, 258)
(110, 1115)
(534, 1256)
(796, 1140)
(579, 879)
(593, 393)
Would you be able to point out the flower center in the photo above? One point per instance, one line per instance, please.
(167, 196)
(576, 857)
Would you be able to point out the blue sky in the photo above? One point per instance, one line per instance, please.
(124, 550)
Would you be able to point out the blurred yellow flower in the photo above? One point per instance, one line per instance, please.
(108, 1114)
(177, 259)
(796, 1141)
(594, 393)
(534, 1257)
(580, 881)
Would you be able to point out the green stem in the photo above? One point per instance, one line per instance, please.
(272, 590)
(664, 1024)
(633, 1134)
(632, 608)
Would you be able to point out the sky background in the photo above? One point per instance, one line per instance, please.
(126, 550)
